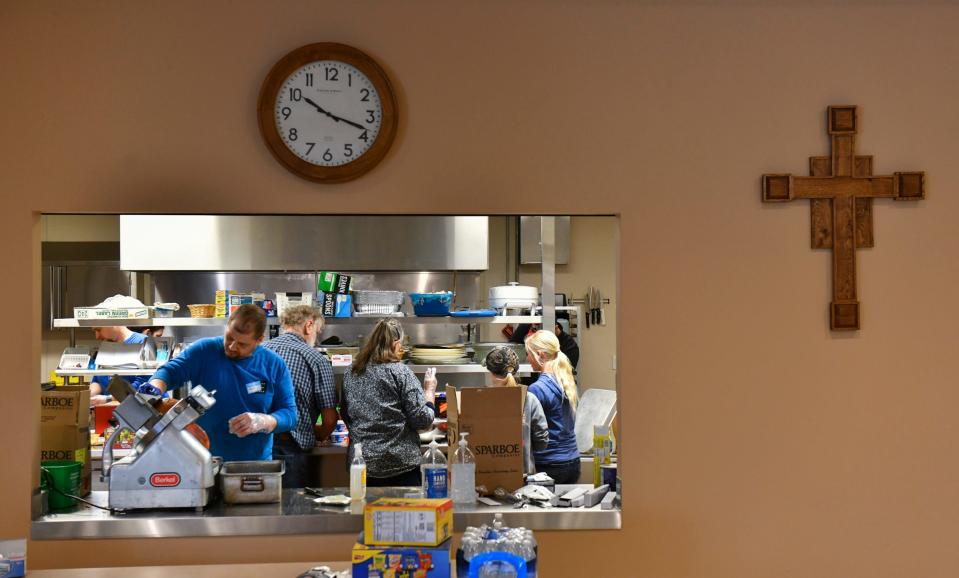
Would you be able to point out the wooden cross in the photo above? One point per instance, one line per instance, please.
(841, 188)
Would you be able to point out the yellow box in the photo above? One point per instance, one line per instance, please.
(408, 522)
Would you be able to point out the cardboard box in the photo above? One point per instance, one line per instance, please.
(326, 282)
(329, 305)
(111, 312)
(65, 406)
(493, 416)
(344, 305)
(70, 443)
(412, 561)
(221, 302)
(343, 284)
(408, 521)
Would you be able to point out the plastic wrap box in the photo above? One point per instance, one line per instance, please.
(408, 521)
(383, 561)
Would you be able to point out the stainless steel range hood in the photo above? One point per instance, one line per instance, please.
(303, 243)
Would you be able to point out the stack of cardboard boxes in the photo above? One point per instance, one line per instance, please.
(405, 538)
(65, 428)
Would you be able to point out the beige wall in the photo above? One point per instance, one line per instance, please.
(756, 443)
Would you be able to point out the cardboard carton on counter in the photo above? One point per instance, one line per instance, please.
(68, 405)
(493, 417)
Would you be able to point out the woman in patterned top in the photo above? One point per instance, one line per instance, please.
(384, 405)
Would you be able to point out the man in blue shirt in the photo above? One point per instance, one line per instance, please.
(251, 385)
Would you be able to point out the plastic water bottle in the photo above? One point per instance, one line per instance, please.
(358, 474)
(463, 473)
(433, 468)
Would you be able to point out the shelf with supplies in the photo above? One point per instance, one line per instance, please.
(524, 368)
(104, 371)
(71, 323)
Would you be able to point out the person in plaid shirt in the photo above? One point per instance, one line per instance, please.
(313, 389)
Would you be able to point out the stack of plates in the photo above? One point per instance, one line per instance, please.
(439, 354)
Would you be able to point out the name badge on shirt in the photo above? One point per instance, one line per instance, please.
(256, 387)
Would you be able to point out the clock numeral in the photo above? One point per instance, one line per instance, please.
(309, 150)
(349, 79)
(292, 134)
(332, 73)
(296, 94)
(286, 112)
(348, 150)
(366, 95)
(309, 79)
(365, 137)
(372, 117)
(327, 155)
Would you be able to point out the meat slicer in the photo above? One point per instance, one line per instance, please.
(168, 467)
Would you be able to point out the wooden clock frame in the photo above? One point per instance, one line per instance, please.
(312, 53)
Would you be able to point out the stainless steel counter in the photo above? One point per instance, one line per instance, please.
(296, 514)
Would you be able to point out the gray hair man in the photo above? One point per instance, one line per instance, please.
(313, 389)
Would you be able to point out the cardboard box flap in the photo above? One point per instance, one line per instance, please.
(493, 416)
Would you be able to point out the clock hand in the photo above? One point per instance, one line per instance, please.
(333, 116)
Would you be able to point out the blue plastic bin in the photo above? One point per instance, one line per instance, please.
(432, 304)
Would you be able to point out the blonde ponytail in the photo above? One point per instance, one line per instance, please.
(545, 346)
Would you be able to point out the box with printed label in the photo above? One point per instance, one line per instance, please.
(344, 306)
(326, 282)
(343, 284)
(65, 406)
(493, 416)
(329, 304)
(413, 561)
(221, 302)
(408, 521)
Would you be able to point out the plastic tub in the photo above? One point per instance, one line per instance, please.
(432, 304)
(64, 477)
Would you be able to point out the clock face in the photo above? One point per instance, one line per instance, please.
(328, 113)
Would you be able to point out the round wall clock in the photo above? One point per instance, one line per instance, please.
(327, 112)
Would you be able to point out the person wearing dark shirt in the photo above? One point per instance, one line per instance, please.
(567, 344)
(384, 405)
(313, 389)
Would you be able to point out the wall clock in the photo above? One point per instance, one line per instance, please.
(327, 112)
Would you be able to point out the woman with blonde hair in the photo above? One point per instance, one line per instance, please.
(384, 405)
(556, 391)
(502, 363)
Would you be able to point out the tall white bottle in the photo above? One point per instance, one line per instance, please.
(433, 469)
(463, 473)
(358, 474)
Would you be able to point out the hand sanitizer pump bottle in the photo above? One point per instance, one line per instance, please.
(358, 474)
(463, 473)
(433, 468)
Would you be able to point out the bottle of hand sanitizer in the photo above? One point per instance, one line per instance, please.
(358, 474)
(433, 468)
(463, 473)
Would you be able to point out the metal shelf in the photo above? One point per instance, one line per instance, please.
(104, 371)
(70, 323)
(524, 369)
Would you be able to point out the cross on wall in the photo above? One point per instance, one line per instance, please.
(841, 188)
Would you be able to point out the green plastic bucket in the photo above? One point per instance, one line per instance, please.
(63, 476)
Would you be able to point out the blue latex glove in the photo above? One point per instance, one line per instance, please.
(148, 389)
